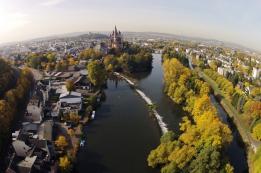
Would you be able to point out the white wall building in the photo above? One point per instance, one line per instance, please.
(256, 73)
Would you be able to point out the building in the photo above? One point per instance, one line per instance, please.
(33, 148)
(256, 73)
(70, 102)
(101, 47)
(116, 40)
(221, 71)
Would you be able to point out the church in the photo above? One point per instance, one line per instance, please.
(116, 40)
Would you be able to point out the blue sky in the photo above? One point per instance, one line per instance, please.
(237, 21)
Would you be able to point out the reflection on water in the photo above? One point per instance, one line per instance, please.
(123, 133)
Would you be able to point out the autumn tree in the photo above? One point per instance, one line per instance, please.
(90, 54)
(257, 132)
(203, 135)
(65, 164)
(256, 160)
(74, 117)
(61, 143)
(253, 108)
(69, 85)
(96, 73)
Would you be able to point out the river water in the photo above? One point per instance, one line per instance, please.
(123, 132)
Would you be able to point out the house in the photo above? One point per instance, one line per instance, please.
(33, 148)
(256, 73)
(102, 47)
(221, 71)
(70, 102)
(26, 165)
(34, 112)
(21, 148)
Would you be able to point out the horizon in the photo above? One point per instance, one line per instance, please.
(79, 33)
(230, 22)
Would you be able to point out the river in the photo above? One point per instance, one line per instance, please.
(123, 133)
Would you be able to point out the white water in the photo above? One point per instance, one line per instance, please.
(162, 124)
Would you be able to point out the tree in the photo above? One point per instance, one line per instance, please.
(90, 54)
(170, 168)
(208, 160)
(229, 168)
(69, 85)
(257, 132)
(167, 137)
(61, 143)
(74, 117)
(253, 109)
(96, 73)
(256, 161)
(65, 164)
(71, 132)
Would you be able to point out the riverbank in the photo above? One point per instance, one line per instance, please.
(250, 144)
(161, 123)
(232, 113)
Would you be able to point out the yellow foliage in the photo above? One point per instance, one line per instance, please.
(61, 142)
(182, 155)
(257, 132)
(65, 164)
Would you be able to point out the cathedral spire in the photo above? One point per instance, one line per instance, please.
(115, 29)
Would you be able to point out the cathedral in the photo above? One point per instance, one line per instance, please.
(116, 41)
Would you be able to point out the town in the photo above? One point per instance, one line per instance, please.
(60, 104)
(68, 91)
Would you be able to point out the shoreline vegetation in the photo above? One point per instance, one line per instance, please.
(15, 88)
(197, 142)
(252, 146)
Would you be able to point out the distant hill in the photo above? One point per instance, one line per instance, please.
(142, 35)
(165, 36)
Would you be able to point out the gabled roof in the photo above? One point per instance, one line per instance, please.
(70, 94)
(28, 162)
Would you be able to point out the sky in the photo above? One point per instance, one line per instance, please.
(237, 21)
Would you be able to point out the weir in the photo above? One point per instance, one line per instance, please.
(162, 124)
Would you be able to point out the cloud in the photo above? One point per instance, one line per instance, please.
(51, 2)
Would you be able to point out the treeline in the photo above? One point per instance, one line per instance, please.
(248, 105)
(13, 99)
(8, 77)
(42, 61)
(170, 52)
(132, 58)
(200, 146)
(224, 84)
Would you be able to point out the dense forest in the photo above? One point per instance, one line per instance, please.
(200, 146)
(15, 85)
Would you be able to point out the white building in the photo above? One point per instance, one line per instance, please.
(256, 73)
(221, 71)
(70, 102)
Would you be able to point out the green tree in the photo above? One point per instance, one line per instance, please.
(208, 160)
(167, 137)
(96, 73)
